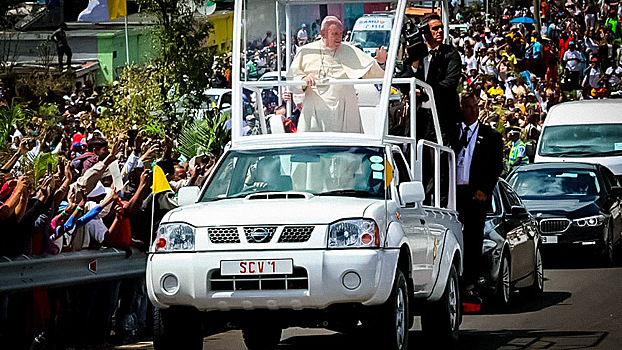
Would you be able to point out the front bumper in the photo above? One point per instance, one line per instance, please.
(576, 236)
(325, 271)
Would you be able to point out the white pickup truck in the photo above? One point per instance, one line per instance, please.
(312, 229)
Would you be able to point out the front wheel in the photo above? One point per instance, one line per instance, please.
(503, 290)
(441, 319)
(537, 288)
(609, 250)
(262, 337)
(391, 319)
(177, 328)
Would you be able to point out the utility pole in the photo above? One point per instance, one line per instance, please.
(536, 15)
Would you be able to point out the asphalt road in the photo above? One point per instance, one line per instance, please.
(581, 309)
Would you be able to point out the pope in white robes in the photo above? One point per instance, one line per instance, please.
(332, 108)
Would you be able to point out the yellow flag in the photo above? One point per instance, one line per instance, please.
(388, 176)
(117, 8)
(160, 184)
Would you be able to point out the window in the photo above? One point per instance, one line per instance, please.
(555, 183)
(495, 203)
(322, 171)
(595, 140)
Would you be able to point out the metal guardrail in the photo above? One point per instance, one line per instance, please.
(25, 273)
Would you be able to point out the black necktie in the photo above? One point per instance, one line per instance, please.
(464, 138)
(434, 54)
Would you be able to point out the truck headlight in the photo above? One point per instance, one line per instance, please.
(173, 237)
(353, 233)
(590, 221)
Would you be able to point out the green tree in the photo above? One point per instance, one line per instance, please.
(134, 100)
(180, 39)
(11, 114)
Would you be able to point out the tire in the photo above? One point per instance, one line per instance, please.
(537, 288)
(441, 320)
(177, 328)
(262, 337)
(504, 284)
(609, 256)
(391, 320)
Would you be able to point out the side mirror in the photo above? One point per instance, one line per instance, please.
(412, 192)
(616, 191)
(187, 195)
(519, 212)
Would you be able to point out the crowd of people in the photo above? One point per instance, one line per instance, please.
(73, 205)
(519, 73)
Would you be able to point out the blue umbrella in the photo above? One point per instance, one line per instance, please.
(523, 19)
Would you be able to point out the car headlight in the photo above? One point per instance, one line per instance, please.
(590, 221)
(353, 233)
(173, 237)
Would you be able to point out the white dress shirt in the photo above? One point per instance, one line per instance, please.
(465, 155)
(426, 66)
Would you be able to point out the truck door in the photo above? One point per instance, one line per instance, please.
(416, 231)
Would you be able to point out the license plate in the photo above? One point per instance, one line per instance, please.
(256, 267)
(549, 239)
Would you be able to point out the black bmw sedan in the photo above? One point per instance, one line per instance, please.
(511, 258)
(576, 204)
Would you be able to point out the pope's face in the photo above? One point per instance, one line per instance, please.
(332, 36)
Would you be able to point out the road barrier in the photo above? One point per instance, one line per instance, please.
(24, 272)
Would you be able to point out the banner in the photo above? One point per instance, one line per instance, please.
(103, 10)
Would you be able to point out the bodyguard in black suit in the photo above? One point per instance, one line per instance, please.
(441, 67)
(479, 162)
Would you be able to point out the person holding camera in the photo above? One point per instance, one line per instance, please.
(439, 65)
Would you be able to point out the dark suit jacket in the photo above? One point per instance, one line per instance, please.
(487, 160)
(444, 75)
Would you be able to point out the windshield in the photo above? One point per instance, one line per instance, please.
(337, 171)
(554, 183)
(371, 38)
(589, 140)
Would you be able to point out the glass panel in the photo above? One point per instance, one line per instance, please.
(310, 96)
(595, 140)
(339, 171)
(554, 183)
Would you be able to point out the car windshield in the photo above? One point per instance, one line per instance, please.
(329, 171)
(371, 38)
(547, 183)
(589, 140)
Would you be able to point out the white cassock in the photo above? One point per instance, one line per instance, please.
(332, 108)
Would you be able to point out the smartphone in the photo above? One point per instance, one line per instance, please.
(49, 168)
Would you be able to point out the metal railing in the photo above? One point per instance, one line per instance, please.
(86, 266)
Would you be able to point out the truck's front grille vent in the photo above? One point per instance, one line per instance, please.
(223, 235)
(296, 234)
(278, 195)
(259, 234)
(298, 280)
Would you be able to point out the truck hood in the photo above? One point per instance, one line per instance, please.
(241, 211)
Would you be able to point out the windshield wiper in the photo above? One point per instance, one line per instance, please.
(347, 193)
(567, 153)
(604, 153)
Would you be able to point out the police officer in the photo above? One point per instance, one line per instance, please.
(517, 152)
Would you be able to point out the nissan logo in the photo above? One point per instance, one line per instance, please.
(259, 235)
